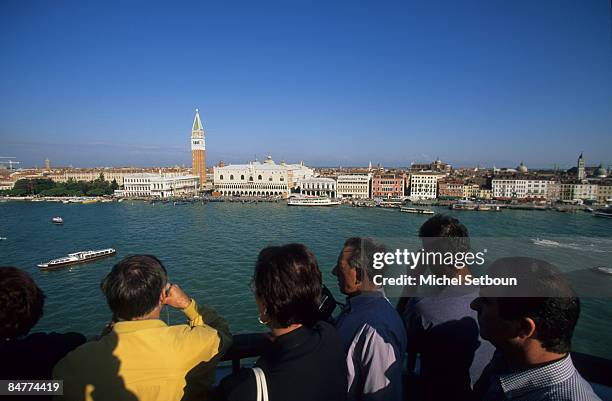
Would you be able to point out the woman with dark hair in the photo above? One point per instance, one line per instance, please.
(23, 355)
(305, 360)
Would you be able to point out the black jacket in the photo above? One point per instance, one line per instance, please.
(306, 364)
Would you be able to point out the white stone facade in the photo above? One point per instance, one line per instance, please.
(318, 186)
(424, 185)
(159, 186)
(259, 179)
(356, 186)
(519, 188)
(579, 191)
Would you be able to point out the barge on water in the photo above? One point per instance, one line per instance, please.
(416, 210)
(78, 258)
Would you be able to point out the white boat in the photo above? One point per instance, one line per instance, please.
(605, 270)
(57, 220)
(544, 242)
(312, 201)
(78, 258)
(416, 210)
(2, 238)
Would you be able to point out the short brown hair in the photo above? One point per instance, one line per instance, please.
(21, 303)
(288, 281)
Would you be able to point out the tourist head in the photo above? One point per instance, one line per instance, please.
(354, 269)
(287, 285)
(21, 303)
(540, 312)
(442, 233)
(135, 287)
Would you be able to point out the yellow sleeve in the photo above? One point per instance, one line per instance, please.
(203, 315)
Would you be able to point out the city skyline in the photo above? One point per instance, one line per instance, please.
(481, 83)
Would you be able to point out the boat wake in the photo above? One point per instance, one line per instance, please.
(584, 246)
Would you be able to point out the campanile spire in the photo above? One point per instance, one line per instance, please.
(198, 149)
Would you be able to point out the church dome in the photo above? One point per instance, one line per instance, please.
(601, 172)
(522, 168)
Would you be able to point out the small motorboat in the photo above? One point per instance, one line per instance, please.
(602, 269)
(57, 220)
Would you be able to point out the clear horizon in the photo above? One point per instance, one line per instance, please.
(473, 83)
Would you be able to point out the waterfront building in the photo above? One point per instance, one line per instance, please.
(259, 179)
(578, 191)
(553, 193)
(318, 186)
(110, 174)
(356, 186)
(471, 191)
(389, 185)
(519, 188)
(6, 183)
(159, 186)
(604, 193)
(485, 194)
(198, 149)
(450, 189)
(424, 185)
(581, 168)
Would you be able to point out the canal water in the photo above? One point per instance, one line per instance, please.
(210, 250)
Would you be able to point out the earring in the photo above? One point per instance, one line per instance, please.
(261, 320)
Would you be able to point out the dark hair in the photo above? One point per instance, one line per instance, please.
(288, 282)
(542, 294)
(21, 303)
(444, 234)
(362, 254)
(133, 286)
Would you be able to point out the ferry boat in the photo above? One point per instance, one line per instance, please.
(78, 258)
(416, 210)
(312, 201)
(57, 220)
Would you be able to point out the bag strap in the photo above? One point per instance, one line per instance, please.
(262, 385)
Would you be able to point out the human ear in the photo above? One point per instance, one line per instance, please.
(526, 328)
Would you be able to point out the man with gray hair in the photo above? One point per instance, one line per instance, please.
(370, 329)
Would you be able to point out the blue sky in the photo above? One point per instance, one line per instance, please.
(331, 83)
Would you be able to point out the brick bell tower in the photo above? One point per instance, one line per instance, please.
(198, 149)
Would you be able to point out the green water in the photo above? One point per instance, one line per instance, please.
(210, 250)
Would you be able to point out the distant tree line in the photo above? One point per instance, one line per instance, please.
(48, 187)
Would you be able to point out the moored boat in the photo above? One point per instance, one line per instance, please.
(416, 210)
(78, 258)
(312, 201)
(606, 213)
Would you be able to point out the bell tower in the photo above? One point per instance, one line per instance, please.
(581, 172)
(198, 149)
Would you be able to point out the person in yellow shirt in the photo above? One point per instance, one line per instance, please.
(140, 357)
